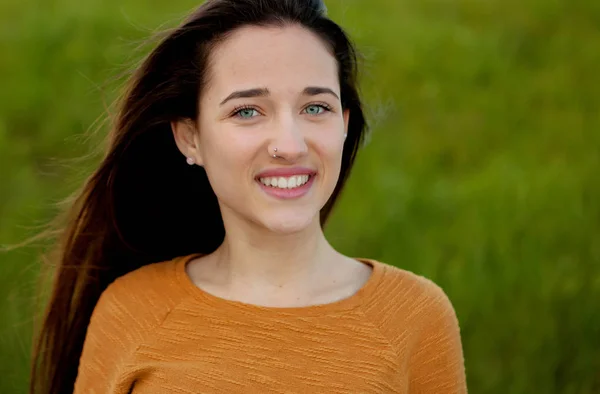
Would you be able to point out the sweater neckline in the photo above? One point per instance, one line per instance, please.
(355, 300)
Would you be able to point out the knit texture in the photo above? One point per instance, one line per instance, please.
(154, 331)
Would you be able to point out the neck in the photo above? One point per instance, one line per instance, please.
(274, 261)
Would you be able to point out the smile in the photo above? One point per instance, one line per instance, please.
(285, 188)
(290, 182)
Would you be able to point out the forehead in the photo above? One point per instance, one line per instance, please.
(278, 58)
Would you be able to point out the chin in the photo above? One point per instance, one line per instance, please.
(290, 224)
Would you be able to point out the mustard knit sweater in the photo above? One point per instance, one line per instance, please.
(154, 331)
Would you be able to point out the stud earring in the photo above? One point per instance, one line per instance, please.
(345, 135)
(190, 160)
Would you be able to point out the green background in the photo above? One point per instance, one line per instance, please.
(482, 171)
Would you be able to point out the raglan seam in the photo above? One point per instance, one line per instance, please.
(380, 331)
(150, 333)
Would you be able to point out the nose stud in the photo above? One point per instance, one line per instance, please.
(274, 155)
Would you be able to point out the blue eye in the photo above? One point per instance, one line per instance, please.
(245, 113)
(250, 112)
(314, 109)
(317, 109)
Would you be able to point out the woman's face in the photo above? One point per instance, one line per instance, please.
(271, 87)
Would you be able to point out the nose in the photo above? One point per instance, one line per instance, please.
(288, 141)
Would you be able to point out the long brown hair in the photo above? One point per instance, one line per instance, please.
(136, 207)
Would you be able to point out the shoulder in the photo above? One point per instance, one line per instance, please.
(416, 316)
(406, 299)
(141, 298)
(410, 286)
(126, 314)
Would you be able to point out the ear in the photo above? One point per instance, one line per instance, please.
(346, 120)
(187, 139)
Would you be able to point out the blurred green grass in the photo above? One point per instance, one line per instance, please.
(482, 172)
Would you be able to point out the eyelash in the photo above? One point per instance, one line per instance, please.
(240, 108)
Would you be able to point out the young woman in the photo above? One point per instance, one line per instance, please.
(194, 260)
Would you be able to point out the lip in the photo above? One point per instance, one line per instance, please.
(286, 172)
(286, 194)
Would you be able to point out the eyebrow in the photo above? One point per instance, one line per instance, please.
(263, 92)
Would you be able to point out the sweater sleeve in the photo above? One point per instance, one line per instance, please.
(437, 364)
(112, 337)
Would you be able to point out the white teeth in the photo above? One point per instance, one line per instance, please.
(285, 182)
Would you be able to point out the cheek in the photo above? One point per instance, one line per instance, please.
(329, 150)
(330, 147)
(227, 160)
